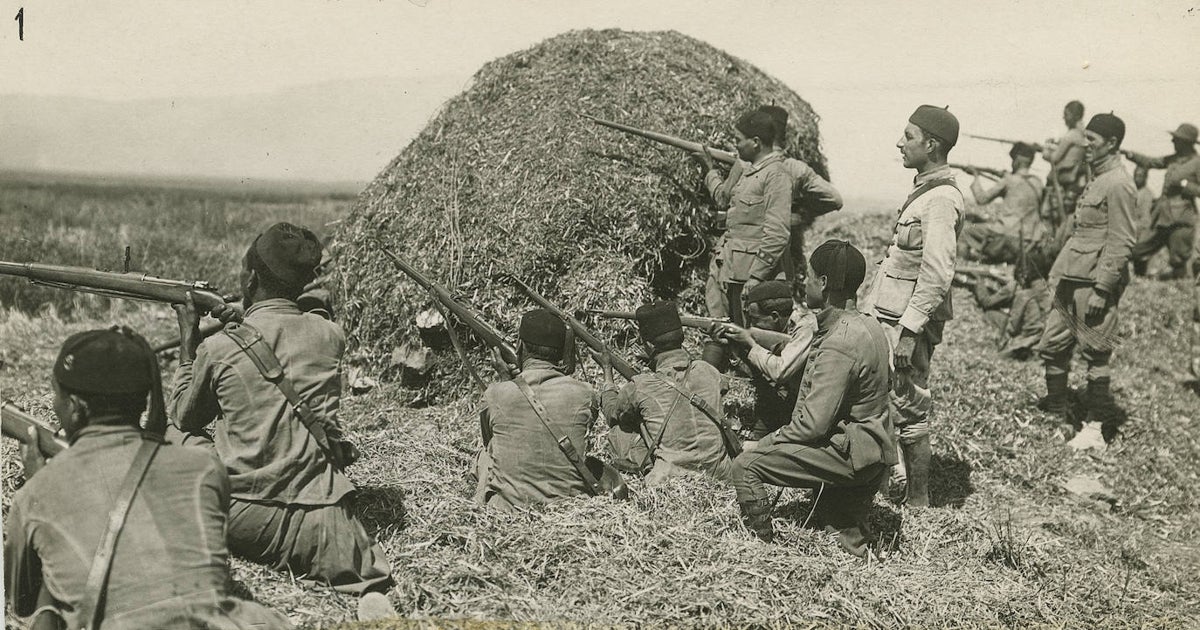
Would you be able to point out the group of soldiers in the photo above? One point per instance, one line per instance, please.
(252, 459)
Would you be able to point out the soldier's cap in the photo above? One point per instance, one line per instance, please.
(657, 318)
(1023, 149)
(778, 114)
(107, 361)
(768, 290)
(290, 252)
(1186, 131)
(1107, 125)
(843, 266)
(757, 124)
(937, 121)
(542, 328)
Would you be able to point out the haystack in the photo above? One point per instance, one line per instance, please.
(508, 177)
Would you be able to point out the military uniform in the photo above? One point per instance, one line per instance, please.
(840, 435)
(1068, 176)
(1173, 215)
(291, 507)
(1018, 225)
(686, 438)
(1022, 324)
(777, 372)
(521, 464)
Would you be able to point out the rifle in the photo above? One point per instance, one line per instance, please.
(1037, 147)
(16, 425)
(972, 273)
(707, 325)
(725, 157)
(986, 171)
(128, 285)
(206, 331)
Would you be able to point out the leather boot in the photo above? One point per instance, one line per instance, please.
(756, 514)
(1056, 400)
(917, 456)
(1100, 404)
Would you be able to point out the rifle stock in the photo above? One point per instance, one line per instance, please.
(206, 331)
(705, 324)
(979, 271)
(16, 425)
(725, 157)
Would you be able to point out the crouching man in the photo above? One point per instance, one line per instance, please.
(121, 529)
(840, 438)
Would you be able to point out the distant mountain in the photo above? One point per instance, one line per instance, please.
(336, 131)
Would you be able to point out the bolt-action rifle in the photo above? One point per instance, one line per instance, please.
(1037, 147)
(986, 171)
(207, 330)
(970, 275)
(725, 157)
(16, 424)
(707, 325)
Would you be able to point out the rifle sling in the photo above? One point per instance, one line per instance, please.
(680, 395)
(254, 346)
(564, 442)
(924, 188)
(92, 605)
(732, 448)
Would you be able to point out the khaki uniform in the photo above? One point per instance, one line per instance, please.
(777, 372)
(1096, 255)
(522, 464)
(1018, 225)
(292, 508)
(170, 567)
(686, 438)
(1068, 176)
(1173, 215)
(840, 435)
(911, 288)
(1024, 321)
(756, 239)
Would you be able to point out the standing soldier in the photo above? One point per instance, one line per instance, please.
(522, 463)
(273, 385)
(1089, 276)
(839, 438)
(1173, 217)
(910, 294)
(1068, 169)
(679, 404)
(1019, 225)
(121, 529)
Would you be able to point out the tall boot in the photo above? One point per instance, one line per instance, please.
(756, 514)
(1056, 400)
(917, 455)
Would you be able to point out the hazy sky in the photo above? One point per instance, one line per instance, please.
(1005, 68)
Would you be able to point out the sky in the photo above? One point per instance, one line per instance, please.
(1004, 68)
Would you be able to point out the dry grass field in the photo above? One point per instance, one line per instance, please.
(1005, 545)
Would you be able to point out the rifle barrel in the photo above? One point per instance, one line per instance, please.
(690, 321)
(724, 157)
(1002, 140)
(133, 286)
(16, 423)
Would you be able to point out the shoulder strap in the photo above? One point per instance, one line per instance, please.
(251, 342)
(728, 435)
(92, 605)
(924, 188)
(651, 449)
(564, 442)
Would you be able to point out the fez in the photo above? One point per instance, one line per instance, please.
(841, 263)
(769, 290)
(779, 115)
(1108, 126)
(543, 328)
(1023, 149)
(1187, 132)
(757, 124)
(657, 318)
(937, 121)
(105, 362)
(290, 252)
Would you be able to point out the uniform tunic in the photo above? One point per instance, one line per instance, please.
(686, 437)
(777, 372)
(170, 565)
(522, 464)
(1018, 224)
(1173, 216)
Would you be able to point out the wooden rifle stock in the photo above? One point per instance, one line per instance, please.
(705, 324)
(16, 425)
(206, 331)
(725, 157)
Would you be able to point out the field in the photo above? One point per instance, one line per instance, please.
(1005, 545)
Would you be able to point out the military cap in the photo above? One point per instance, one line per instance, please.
(657, 318)
(1107, 125)
(757, 124)
(779, 115)
(1186, 131)
(543, 328)
(1023, 149)
(290, 252)
(843, 266)
(769, 290)
(106, 361)
(937, 121)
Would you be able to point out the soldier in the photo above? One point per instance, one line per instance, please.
(1019, 224)
(121, 528)
(910, 294)
(521, 463)
(1089, 276)
(273, 385)
(1027, 300)
(839, 440)
(1068, 169)
(677, 403)
(1173, 217)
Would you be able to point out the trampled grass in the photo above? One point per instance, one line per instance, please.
(1004, 545)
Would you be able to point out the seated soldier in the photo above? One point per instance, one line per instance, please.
(685, 435)
(293, 506)
(1018, 309)
(521, 463)
(840, 440)
(167, 566)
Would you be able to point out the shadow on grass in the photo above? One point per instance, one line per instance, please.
(381, 508)
(886, 522)
(949, 481)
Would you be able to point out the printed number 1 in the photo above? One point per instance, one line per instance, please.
(20, 20)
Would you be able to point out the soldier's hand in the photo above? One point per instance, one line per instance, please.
(227, 313)
(604, 360)
(734, 334)
(1096, 304)
(703, 159)
(502, 367)
(31, 455)
(902, 355)
(345, 452)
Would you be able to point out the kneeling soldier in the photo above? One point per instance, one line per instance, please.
(523, 462)
(840, 440)
(678, 404)
(121, 528)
